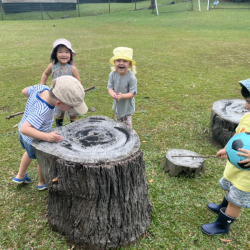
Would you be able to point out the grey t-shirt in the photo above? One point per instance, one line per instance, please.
(124, 84)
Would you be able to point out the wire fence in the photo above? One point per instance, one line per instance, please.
(57, 9)
(11, 10)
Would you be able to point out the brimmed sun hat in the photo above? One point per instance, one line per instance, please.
(71, 92)
(122, 53)
(245, 83)
(64, 42)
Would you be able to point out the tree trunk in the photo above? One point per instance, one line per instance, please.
(225, 117)
(152, 5)
(98, 193)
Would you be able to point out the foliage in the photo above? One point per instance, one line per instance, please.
(185, 62)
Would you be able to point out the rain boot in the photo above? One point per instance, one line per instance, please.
(220, 226)
(59, 122)
(216, 208)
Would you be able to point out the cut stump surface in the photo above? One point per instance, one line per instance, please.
(190, 166)
(225, 117)
(98, 193)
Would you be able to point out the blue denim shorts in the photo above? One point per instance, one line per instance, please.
(25, 145)
(236, 196)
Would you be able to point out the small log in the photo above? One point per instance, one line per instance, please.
(192, 165)
(96, 177)
(225, 117)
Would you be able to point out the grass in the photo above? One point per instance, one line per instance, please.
(185, 61)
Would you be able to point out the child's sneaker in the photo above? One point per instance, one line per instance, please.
(44, 187)
(26, 179)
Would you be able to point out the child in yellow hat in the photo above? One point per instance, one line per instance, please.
(122, 84)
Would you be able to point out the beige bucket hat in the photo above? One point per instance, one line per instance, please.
(71, 92)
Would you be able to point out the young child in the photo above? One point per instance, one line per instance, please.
(122, 84)
(66, 92)
(235, 181)
(62, 63)
(215, 3)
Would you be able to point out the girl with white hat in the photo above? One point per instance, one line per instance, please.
(62, 63)
(122, 84)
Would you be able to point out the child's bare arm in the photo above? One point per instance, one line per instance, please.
(25, 93)
(46, 74)
(245, 153)
(76, 73)
(222, 154)
(29, 130)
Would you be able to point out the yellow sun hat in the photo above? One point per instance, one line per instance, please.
(122, 53)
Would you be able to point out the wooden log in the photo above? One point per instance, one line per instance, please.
(190, 166)
(98, 193)
(225, 117)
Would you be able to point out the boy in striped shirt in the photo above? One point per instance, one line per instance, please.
(66, 92)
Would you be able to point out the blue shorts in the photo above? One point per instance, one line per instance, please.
(25, 145)
(236, 196)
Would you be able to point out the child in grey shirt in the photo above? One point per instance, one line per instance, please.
(122, 85)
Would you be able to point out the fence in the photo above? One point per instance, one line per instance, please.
(44, 10)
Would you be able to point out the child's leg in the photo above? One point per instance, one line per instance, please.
(232, 210)
(25, 162)
(126, 120)
(41, 181)
(73, 115)
(59, 115)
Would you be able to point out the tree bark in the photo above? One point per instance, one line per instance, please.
(98, 192)
(152, 5)
(225, 117)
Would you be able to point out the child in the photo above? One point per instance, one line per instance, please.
(62, 58)
(66, 92)
(215, 3)
(235, 181)
(122, 84)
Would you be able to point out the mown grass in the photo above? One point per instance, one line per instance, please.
(185, 61)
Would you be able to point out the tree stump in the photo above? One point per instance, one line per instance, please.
(225, 117)
(98, 193)
(190, 166)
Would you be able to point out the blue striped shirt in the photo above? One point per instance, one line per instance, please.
(38, 113)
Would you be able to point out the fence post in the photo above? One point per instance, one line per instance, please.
(109, 6)
(78, 8)
(135, 4)
(1, 11)
(41, 10)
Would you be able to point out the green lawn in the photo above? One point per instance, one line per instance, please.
(185, 62)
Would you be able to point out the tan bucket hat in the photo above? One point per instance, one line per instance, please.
(71, 92)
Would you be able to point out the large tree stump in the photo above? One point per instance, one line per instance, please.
(225, 117)
(98, 193)
(190, 166)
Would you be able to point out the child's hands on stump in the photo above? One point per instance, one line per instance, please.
(54, 137)
(222, 154)
(245, 153)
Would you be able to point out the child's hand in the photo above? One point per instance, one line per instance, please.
(119, 96)
(245, 153)
(114, 96)
(222, 154)
(54, 137)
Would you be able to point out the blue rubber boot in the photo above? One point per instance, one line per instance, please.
(216, 208)
(220, 226)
